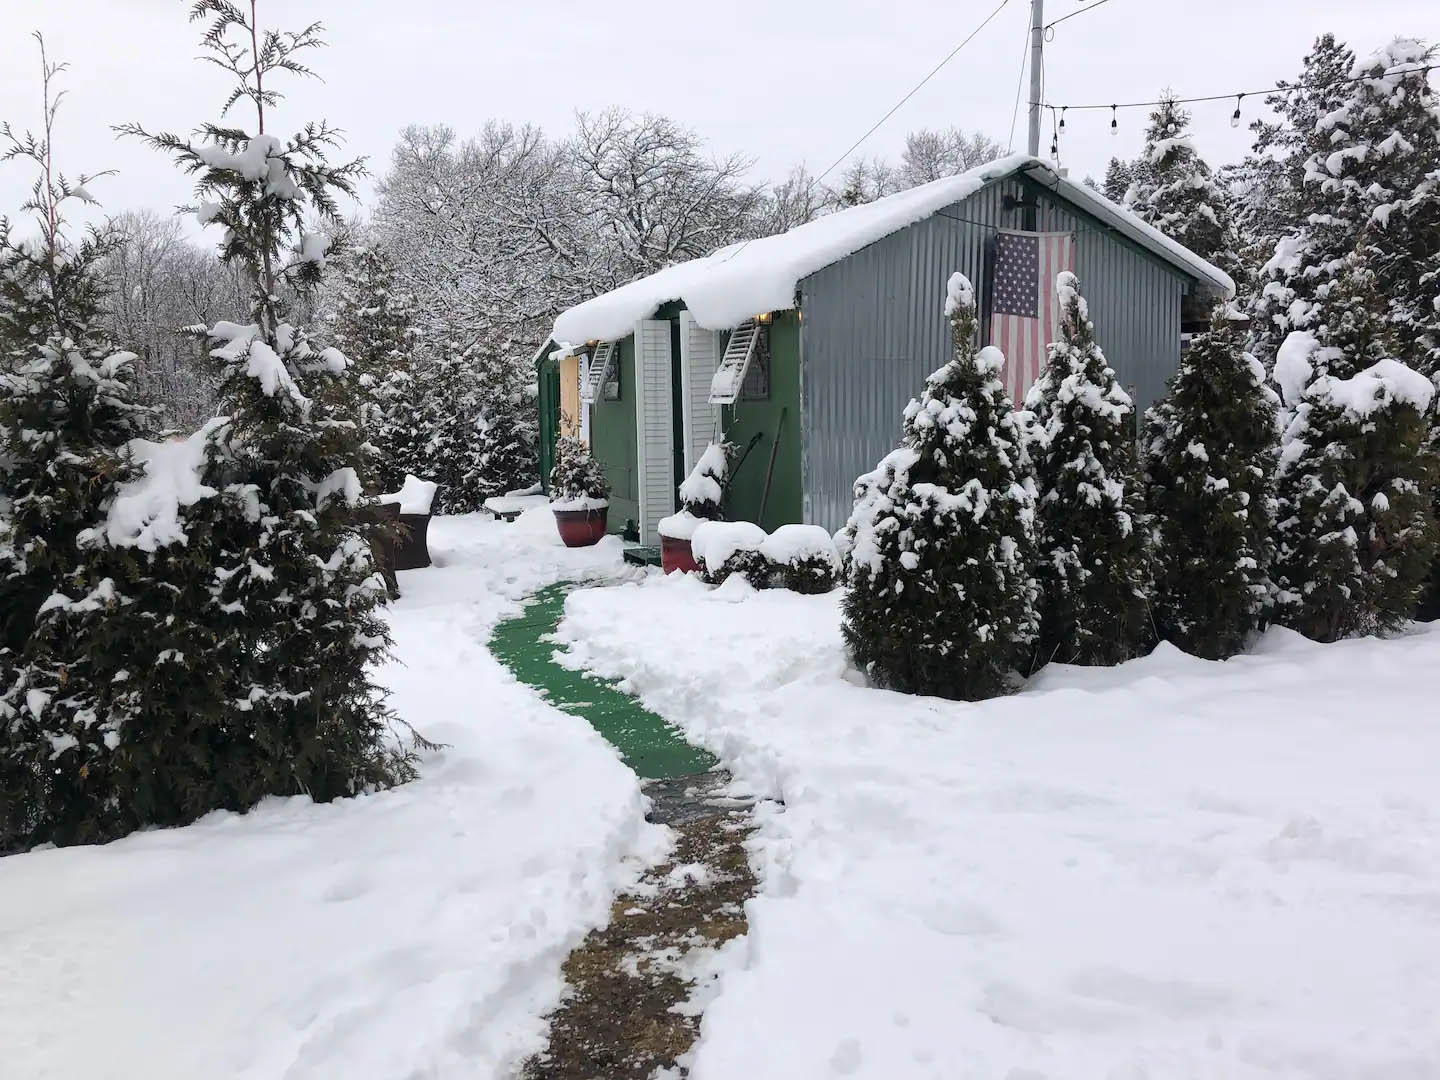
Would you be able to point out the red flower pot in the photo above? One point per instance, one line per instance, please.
(581, 528)
(676, 555)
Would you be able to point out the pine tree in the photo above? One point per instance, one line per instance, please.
(67, 417)
(296, 569)
(941, 598)
(1119, 175)
(1271, 195)
(1210, 447)
(480, 424)
(1174, 190)
(374, 326)
(1373, 151)
(1093, 564)
(1355, 534)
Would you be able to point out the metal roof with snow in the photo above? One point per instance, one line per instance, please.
(727, 287)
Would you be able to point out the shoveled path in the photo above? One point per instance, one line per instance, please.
(636, 987)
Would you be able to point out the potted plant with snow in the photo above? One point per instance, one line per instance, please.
(700, 496)
(579, 493)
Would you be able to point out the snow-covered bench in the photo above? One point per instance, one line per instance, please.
(509, 507)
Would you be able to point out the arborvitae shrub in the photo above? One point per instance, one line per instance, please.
(941, 546)
(1093, 566)
(1210, 448)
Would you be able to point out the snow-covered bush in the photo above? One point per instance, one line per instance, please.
(293, 588)
(577, 480)
(1369, 155)
(701, 494)
(802, 558)
(478, 421)
(941, 595)
(722, 548)
(1355, 535)
(1209, 452)
(67, 417)
(374, 326)
(1093, 566)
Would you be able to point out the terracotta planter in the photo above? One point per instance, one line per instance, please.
(581, 528)
(676, 555)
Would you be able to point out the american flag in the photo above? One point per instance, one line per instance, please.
(1024, 313)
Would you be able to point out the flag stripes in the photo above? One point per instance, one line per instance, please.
(1024, 311)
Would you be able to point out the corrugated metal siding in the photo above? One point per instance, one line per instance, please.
(874, 328)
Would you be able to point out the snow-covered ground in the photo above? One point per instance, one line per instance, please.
(1171, 869)
(418, 932)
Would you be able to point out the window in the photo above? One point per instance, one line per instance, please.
(756, 386)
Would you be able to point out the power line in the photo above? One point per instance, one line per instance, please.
(896, 107)
(1049, 27)
(1019, 86)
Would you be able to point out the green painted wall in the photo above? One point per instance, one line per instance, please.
(547, 373)
(745, 418)
(612, 433)
(612, 442)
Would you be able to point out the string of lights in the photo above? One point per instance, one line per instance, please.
(1239, 96)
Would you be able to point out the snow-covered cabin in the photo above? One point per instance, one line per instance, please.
(806, 346)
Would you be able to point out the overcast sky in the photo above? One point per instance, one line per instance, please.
(784, 81)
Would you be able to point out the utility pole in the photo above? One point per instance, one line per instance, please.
(1037, 67)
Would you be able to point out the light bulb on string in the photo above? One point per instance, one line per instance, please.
(1235, 116)
(1062, 117)
(1054, 149)
(1114, 123)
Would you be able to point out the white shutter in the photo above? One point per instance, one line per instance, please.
(654, 435)
(699, 357)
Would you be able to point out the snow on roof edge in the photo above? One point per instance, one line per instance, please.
(735, 283)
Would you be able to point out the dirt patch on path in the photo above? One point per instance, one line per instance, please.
(631, 1006)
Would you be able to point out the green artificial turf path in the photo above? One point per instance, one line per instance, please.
(650, 746)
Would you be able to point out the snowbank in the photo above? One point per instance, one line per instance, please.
(415, 495)
(414, 933)
(736, 283)
(1173, 868)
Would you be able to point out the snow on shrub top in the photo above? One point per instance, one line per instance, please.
(958, 293)
(702, 490)
(713, 542)
(1377, 387)
(146, 512)
(415, 495)
(792, 544)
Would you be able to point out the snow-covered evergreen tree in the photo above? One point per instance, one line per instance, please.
(480, 425)
(374, 326)
(67, 416)
(1271, 198)
(295, 571)
(1119, 175)
(1374, 150)
(1355, 534)
(942, 598)
(1209, 454)
(1093, 567)
(1174, 190)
